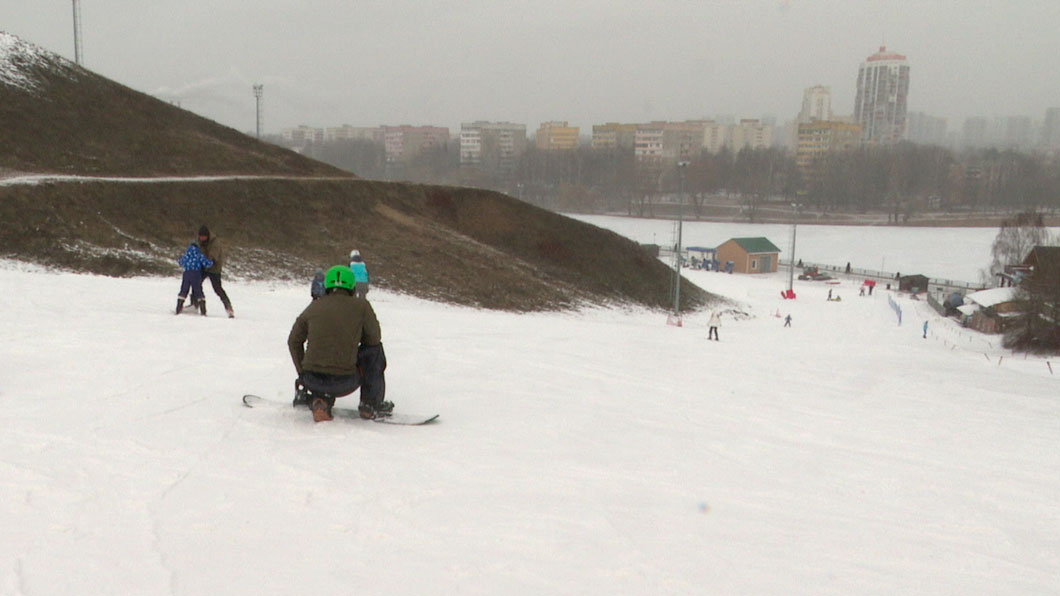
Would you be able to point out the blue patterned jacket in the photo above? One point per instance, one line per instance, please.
(193, 259)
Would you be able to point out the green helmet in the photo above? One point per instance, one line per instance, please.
(339, 276)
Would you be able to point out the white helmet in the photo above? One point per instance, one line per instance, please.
(355, 253)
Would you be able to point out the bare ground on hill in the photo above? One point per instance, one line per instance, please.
(458, 245)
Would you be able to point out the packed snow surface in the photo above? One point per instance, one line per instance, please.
(599, 452)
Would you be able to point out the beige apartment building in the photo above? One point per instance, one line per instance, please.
(614, 136)
(819, 138)
(556, 136)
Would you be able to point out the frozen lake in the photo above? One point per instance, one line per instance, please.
(940, 253)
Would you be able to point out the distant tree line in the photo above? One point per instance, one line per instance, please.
(900, 180)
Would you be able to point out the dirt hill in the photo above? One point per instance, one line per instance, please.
(280, 215)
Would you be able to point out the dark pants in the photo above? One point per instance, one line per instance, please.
(371, 362)
(192, 280)
(215, 281)
(712, 333)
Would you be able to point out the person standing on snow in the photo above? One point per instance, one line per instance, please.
(214, 251)
(714, 323)
(316, 287)
(193, 262)
(360, 272)
(925, 329)
(345, 350)
(787, 321)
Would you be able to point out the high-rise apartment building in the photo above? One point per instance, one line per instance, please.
(880, 103)
(556, 136)
(816, 104)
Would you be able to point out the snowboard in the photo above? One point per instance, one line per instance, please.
(256, 401)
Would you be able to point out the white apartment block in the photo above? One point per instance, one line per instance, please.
(715, 135)
(353, 133)
(500, 143)
(750, 134)
(303, 135)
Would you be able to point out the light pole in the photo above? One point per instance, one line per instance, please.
(258, 91)
(794, 229)
(682, 166)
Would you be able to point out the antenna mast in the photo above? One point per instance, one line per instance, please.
(77, 32)
(258, 91)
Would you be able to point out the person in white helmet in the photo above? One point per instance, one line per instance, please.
(360, 273)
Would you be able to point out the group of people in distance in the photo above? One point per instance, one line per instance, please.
(336, 344)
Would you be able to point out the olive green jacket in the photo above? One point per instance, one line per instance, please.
(334, 325)
(214, 250)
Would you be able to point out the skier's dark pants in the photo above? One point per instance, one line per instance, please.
(713, 332)
(191, 280)
(371, 362)
(215, 281)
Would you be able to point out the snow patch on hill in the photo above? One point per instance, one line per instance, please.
(18, 56)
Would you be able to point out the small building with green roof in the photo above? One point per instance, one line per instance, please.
(750, 255)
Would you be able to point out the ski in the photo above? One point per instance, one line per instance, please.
(254, 401)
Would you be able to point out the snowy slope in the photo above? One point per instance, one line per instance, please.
(593, 453)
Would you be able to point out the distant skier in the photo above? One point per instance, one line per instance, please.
(360, 272)
(345, 350)
(714, 323)
(193, 262)
(787, 321)
(316, 287)
(925, 329)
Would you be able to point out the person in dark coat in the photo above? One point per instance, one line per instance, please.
(193, 262)
(214, 250)
(344, 353)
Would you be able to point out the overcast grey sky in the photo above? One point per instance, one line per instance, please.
(372, 62)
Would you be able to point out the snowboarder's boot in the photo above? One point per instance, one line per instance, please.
(321, 410)
(369, 411)
(202, 307)
(180, 305)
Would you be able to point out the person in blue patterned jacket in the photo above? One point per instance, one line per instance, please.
(193, 262)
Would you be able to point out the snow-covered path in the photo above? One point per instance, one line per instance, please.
(598, 452)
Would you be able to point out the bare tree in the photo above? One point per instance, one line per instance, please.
(1014, 241)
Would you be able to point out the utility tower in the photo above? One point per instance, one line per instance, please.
(258, 90)
(77, 32)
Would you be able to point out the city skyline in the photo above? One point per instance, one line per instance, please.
(329, 63)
